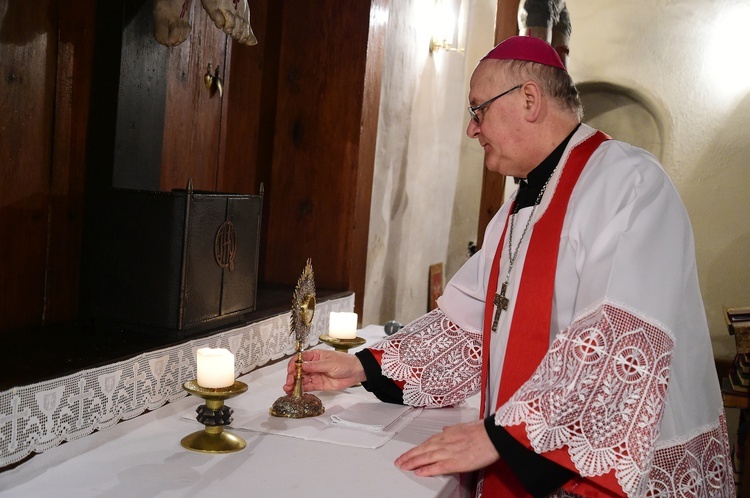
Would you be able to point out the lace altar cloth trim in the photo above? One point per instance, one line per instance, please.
(439, 362)
(38, 417)
(600, 390)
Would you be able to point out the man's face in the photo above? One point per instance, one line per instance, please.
(498, 130)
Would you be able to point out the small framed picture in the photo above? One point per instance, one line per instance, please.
(435, 285)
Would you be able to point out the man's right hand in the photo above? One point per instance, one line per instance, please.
(324, 370)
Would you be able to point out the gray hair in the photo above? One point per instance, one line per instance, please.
(555, 83)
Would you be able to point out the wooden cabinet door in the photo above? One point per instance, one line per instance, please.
(168, 122)
(193, 114)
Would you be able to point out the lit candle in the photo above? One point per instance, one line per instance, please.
(215, 368)
(342, 325)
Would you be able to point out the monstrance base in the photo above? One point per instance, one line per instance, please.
(289, 406)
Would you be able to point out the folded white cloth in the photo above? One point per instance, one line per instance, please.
(371, 416)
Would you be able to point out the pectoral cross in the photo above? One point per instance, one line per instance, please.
(501, 303)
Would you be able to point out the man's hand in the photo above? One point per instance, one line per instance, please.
(324, 370)
(459, 448)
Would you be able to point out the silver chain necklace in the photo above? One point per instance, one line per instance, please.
(500, 301)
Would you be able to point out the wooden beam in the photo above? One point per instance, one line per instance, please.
(493, 184)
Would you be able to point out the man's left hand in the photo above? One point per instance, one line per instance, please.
(459, 448)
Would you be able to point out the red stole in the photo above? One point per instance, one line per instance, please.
(528, 340)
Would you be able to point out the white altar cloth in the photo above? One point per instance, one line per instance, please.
(343, 409)
(143, 457)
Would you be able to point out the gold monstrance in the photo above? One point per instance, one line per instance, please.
(299, 404)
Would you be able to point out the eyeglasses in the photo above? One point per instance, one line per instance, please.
(484, 105)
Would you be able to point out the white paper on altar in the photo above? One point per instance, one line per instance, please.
(362, 420)
(371, 416)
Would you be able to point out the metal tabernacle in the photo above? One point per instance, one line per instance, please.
(177, 262)
(299, 404)
(214, 415)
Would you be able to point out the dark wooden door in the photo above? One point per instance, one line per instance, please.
(168, 124)
(45, 57)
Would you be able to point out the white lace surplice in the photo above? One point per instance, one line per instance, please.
(440, 363)
(629, 383)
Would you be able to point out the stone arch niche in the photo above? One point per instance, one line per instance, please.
(623, 114)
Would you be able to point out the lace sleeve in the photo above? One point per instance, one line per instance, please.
(599, 394)
(439, 363)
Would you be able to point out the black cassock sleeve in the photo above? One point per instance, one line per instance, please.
(377, 383)
(538, 475)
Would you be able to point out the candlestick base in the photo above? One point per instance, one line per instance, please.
(205, 442)
(342, 345)
(214, 415)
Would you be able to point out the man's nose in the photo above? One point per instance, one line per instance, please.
(472, 129)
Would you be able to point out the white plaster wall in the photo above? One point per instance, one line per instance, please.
(465, 219)
(688, 60)
(417, 174)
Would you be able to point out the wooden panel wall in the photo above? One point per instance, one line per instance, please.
(140, 101)
(45, 66)
(250, 112)
(250, 109)
(72, 97)
(169, 125)
(321, 121)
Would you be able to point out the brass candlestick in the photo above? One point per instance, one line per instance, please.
(300, 404)
(214, 415)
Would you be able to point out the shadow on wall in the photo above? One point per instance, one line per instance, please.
(716, 195)
(397, 201)
(714, 190)
(622, 114)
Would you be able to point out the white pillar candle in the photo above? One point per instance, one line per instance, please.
(215, 367)
(342, 325)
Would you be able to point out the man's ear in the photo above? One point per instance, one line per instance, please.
(532, 95)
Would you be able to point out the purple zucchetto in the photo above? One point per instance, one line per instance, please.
(526, 48)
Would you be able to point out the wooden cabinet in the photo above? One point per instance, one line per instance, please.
(92, 102)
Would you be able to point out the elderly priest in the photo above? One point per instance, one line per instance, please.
(580, 321)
